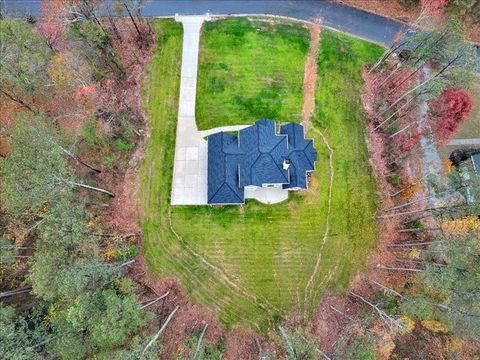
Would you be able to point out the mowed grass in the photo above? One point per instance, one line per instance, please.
(165, 253)
(251, 264)
(250, 69)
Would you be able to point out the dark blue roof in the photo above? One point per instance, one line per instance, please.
(256, 157)
(302, 155)
(222, 173)
(476, 162)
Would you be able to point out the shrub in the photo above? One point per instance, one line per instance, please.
(109, 161)
(356, 348)
(461, 6)
(387, 302)
(408, 3)
(126, 253)
(122, 145)
(418, 307)
(91, 136)
(435, 6)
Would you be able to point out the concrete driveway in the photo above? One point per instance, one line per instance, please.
(189, 183)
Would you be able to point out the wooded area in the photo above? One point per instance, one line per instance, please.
(73, 129)
(70, 122)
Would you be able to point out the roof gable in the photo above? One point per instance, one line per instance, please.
(225, 195)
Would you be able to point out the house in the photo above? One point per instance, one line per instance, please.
(258, 157)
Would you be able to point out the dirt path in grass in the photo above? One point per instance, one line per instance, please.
(310, 76)
(309, 286)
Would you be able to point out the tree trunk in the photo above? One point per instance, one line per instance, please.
(340, 313)
(398, 269)
(419, 230)
(73, 183)
(404, 129)
(16, 291)
(408, 204)
(419, 262)
(126, 263)
(415, 244)
(157, 335)
(76, 158)
(149, 303)
(417, 62)
(424, 82)
(18, 101)
(133, 21)
(387, 288)
(386, 55)
(398, 110)
(288, 342)
(125, 236)
(403, 189)
(114, 26)
(199, 344)
(389, 320)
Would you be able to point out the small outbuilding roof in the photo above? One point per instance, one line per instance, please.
(476, 162)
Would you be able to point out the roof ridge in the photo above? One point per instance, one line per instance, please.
(224, 171)
(309, 141)
(233, 191)
(282, 137)
(278, 167)
(216, 192)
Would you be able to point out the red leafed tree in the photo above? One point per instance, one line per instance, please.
(406, 142)
(53, 24)
(448, 111)
(435, 6)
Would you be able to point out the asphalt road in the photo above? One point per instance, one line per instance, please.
(344, 18)
(347, 19)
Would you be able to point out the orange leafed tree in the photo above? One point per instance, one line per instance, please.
(53, 24)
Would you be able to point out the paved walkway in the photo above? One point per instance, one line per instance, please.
(209, 132)
(267, 195)
(460, 142)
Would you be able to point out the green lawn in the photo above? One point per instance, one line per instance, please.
(251, 264)
(249, 70)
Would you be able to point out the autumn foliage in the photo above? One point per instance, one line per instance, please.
(461, 226)
(435, 6)
(406, 142)
(448, 112)
(52, 25)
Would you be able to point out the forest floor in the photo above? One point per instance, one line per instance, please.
(264, 251)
